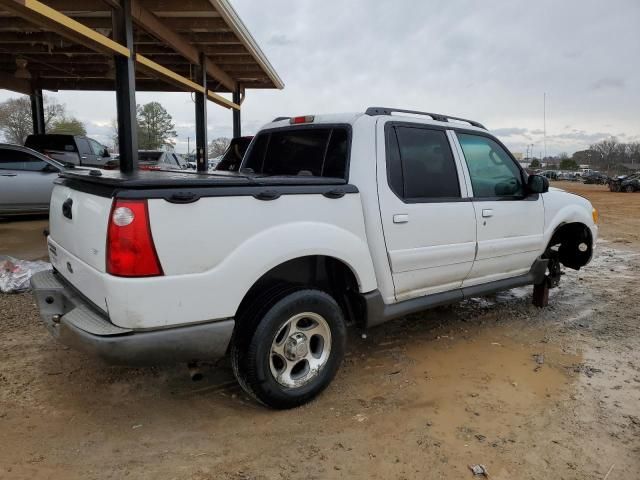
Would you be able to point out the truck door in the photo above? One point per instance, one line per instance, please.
(427, 216)
(98, 151)
(87, 157)
(510, 222)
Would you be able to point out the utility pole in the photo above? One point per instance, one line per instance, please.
(188, 149)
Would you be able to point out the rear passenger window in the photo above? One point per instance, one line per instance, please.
(420, 164)
(18, 160)
(319, 152)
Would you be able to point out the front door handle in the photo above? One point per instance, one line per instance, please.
(487, 212)
(8, 174)
(400, 218)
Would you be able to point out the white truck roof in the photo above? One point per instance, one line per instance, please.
(399, 114)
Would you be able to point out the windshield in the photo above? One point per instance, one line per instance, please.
(316, 151)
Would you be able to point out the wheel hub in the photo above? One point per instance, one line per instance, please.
(296, 346)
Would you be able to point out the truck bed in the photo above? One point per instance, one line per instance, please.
(210, 233)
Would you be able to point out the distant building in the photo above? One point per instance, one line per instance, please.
(518, 155)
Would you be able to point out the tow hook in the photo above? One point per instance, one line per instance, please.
(56, 319)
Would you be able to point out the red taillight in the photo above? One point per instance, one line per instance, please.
(149, 167)
(130, 248)
(305, 119)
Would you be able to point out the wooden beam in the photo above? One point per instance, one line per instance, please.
(156, 69)
(19, 85)
(220, 100)
(27, 24)
(156, 27)
(50, 19)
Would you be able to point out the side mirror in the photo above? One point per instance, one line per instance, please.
(537, 184)
(105, 153)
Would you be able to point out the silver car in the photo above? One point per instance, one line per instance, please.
(26, 180)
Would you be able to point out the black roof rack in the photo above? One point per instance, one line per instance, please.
(435, 116)
(277, 119)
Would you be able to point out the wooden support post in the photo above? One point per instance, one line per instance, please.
(541, 294)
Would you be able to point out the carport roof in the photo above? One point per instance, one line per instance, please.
(67, 45)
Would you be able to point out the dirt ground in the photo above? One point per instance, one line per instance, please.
(530, 393)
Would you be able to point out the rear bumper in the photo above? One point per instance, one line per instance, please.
(75, 322)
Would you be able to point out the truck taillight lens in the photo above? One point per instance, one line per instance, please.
(130, 248)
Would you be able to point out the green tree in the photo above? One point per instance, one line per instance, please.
(568, 164)
(155, 127)
(70, 126)
(16, 122)
(535, 163)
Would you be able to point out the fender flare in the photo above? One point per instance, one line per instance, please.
(567, 214)
(286, 242)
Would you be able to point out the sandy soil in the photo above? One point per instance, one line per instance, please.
(619, 212)
(530, 393)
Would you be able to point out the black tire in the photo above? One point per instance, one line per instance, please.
(251, 347)
(629, 189)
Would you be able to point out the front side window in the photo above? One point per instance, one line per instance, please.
(17, 160)
(420, 164)
(493, 172)
(320, 152)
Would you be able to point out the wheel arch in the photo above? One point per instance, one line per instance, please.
(568, 237)
(327, 273)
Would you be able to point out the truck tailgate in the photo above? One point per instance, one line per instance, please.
(78, 222)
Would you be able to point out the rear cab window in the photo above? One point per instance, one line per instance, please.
(149, 156)
(320, 151)
(62, 143)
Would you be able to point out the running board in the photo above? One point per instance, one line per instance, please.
(378, 312)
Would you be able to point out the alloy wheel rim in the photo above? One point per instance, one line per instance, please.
(300, 349)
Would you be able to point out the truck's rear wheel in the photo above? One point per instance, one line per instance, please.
(293, 352)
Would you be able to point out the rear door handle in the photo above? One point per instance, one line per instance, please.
(400, 218)
(487, 212)
(8, 174)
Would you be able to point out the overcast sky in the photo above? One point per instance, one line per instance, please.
(489, 61)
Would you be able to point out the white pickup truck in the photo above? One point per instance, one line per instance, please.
(332, 220)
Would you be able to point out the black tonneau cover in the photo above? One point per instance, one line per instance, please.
(188, 187)
(182, 179)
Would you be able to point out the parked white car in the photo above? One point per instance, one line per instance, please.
(333, 220)
(26, 180)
